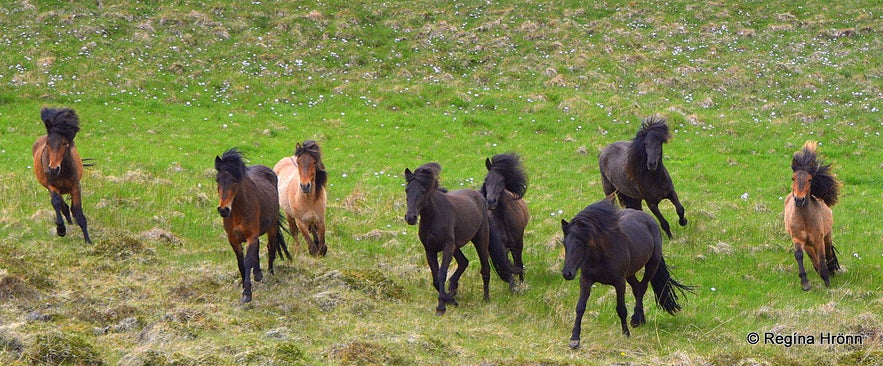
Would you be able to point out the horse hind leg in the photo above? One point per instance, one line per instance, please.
(76, 209)
(638, 290)
(621, 309)
(454, 281)
(798, 255)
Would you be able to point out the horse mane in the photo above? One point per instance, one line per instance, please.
(231, 162)
(653, 129)
(824, 183)
(601, 216)
(509, 166)
(312, 149)
(427, 175)
(60, 121)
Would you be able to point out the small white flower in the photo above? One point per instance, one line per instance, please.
(745, 196)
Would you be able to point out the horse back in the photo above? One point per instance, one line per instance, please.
(643, 236)
(286, 172)
(265, 183)
(468, 211)
(612, 162)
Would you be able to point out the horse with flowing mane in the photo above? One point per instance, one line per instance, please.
(503, 189)
(303, 195)
(808, 217)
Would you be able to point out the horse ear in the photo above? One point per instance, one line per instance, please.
(408, 173)
(217, 162)
(564, 226)
(487, 163)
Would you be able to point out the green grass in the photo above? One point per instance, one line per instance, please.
(163, 87)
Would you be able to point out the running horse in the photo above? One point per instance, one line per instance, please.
(303, 195)
(250, 207)
(635, 172)
(503, 189)
(58, 166)
(808, 217)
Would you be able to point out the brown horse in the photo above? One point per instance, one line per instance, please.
(503, 189)
(58, 166)
(634, 171)
(609, 246)
(304, 203)
(250, 208)
(449, 220)
(808, 217)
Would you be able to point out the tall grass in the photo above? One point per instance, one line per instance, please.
(163, 87)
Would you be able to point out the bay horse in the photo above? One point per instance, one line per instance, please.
(449, 220)
(58, 167)
(609, 246)
(250, 208)
(635, 172)
(808, 217)
(303, 195)
(503, 189)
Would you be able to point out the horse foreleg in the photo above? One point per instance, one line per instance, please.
(798, 255)
(638, 290)
(305, 229)
(654, 208)
(585, 288)
(621, 310)
(240, 263)
(320, 238)
(673, 197)
(481, 246)
(293, 229)
(76, 209)
(252, 265)
(454, 282)
(441, 277)
(819, 262)
(60, 208)
(273, 235)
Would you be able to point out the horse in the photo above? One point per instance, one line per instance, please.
(634, 171)
(808, 217)
(447, 221)
(58, 167)
(304, 204)
(250, 208)
(503, 189)
(609, 245)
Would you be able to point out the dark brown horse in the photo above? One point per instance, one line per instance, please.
(449, 220)
(503, 189)
(58, 166)
(635, 172)
(609, 246)
(302, 195)
(808, 217)
(249, 205)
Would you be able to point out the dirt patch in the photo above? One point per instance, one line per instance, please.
(14, 288)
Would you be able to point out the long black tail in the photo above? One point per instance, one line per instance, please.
(282, 248)
(500, 258)
(664, 288)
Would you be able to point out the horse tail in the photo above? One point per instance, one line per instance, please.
(500, 258)
(282, 248)
(664, 288)
(833, 264)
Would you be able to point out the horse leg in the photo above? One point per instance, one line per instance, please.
(441, 277)
(819, 262)
(320, 238)
(654, 208)
(60, 207)
(251, 264)
(240, 262)
(621, 310)
(272, 246)
(292, 228)
(481, 246)
(638, 290)
(462, 263)
(517, 248)
(305, 232)
(585, 288)
(798, 255)
(830, 255)
(76, 209)
(673, 197)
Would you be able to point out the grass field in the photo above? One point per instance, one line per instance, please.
(162, 87)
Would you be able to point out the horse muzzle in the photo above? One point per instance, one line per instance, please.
(306, 187)
(800, 201)
(491, 204)
(54, 171)
(568, 274)
(652, 166)
(411, 219)
(224, 211)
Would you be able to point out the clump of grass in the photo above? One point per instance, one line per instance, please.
(55, 348)
(374, 283)
(14, 288)
(365, 353)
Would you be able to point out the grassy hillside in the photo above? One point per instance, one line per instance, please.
(163, 87)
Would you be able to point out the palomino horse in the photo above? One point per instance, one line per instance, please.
(634, 171)
(808, 217)
(503, 189)
(609, 246)
(302, 194)
(58, 166)
(250, 208)
(449, 220)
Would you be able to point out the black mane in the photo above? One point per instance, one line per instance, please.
(231, 162)
(61, 121)
(509, 166)
(312, 149)
(824, 184)
(600, 218)
(427, 176)
(653, 130)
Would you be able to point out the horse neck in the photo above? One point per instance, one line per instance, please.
(434, 204)
(245, 198)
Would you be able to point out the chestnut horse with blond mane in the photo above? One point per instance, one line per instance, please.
(808, 216)
(302, 194)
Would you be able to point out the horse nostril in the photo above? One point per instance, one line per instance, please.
(224, 211)
(55, 170)
(306, 187)
(411, 219)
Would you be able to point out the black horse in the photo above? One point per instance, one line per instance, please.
(503, 189)
(449, 220)
(609, 246)
(634, 171)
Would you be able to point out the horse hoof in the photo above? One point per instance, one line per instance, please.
(574, 344)
(683, 222)
(245, 299)
(440, 312)
(626, 333)
(806, 286)
(258, 276)
(60, 231)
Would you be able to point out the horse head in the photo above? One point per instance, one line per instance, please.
(310, 167)
(231, 170)
(504, 173)
(493, 186)
(801, 184)
(654, 132)
(62, 126)
(575, 248)
(419, 186)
